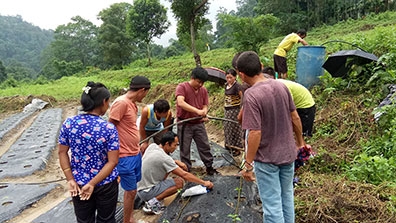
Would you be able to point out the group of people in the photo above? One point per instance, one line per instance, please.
(105, 153)
(275, 115)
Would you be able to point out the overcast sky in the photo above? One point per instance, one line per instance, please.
(48, 14)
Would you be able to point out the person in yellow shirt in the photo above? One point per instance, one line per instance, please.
(302, 98)
(285, 46)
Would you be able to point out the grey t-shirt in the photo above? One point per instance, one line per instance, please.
(267, 106)
(156, 165)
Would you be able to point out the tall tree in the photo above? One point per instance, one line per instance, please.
(250, 33)
(74, 43)
(147, 19)
(222, 34)
(190, 15)
(115, 44)
(245, 8)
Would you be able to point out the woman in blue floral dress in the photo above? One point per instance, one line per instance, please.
(91, 171)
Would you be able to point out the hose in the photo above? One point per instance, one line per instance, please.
(341, 41)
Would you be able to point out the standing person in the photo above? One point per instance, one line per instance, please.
(192, 100)
(244, 86)
(303, 100)
(270, 117)
(232, 106)
(123, 114)
(157, 164)
(285, 46)
(154, 117)
(91, 172)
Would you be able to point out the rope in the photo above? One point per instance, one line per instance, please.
(34, 183)
(182, 121)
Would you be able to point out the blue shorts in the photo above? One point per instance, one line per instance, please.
(130, 171)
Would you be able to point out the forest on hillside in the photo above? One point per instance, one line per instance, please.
(28, 53)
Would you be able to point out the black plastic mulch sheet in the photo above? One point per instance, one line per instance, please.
(34, 147)
(14, 198)
(218, 205)
(11, 122)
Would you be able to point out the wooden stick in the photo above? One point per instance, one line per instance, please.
(235, 147)
(223, 119)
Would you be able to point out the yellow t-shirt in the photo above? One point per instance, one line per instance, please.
(301, 96)
(286, 44)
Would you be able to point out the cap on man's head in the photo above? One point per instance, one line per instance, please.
(139, 82)
(199, 73)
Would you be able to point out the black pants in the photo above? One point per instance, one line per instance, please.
(307, 116)
(103, 201)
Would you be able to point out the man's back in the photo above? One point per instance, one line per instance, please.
(301, 96)
(267, 107)
(286, 44)
(156, 164)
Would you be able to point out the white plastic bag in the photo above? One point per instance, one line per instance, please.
(195, 190)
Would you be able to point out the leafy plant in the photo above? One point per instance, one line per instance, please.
(372, 169)
(234, 217)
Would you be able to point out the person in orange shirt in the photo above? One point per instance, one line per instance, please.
(123, 114)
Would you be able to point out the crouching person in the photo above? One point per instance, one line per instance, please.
(157, 164)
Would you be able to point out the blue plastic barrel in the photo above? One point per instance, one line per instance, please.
(309, 64)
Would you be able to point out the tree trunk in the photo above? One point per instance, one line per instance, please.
(148, 54)
(197, 58)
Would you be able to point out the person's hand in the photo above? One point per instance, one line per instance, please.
(247, 175)
(205, 119)
(208, 184)
(86, 191)
(143, 147)
(201, 112)
(181, 165)
(74, 189)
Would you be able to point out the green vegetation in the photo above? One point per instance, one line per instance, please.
(353, 177)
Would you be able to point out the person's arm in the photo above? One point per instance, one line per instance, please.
(205, 110)
(297, 129)
(142, 130)
(115, 122)
(240, 115)
(64, 162)
(305, 43)
(192, 178)
(187, 107)
(181, 165)
(168, 121)
(254, 139)
(240, 93)
(87, 190)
